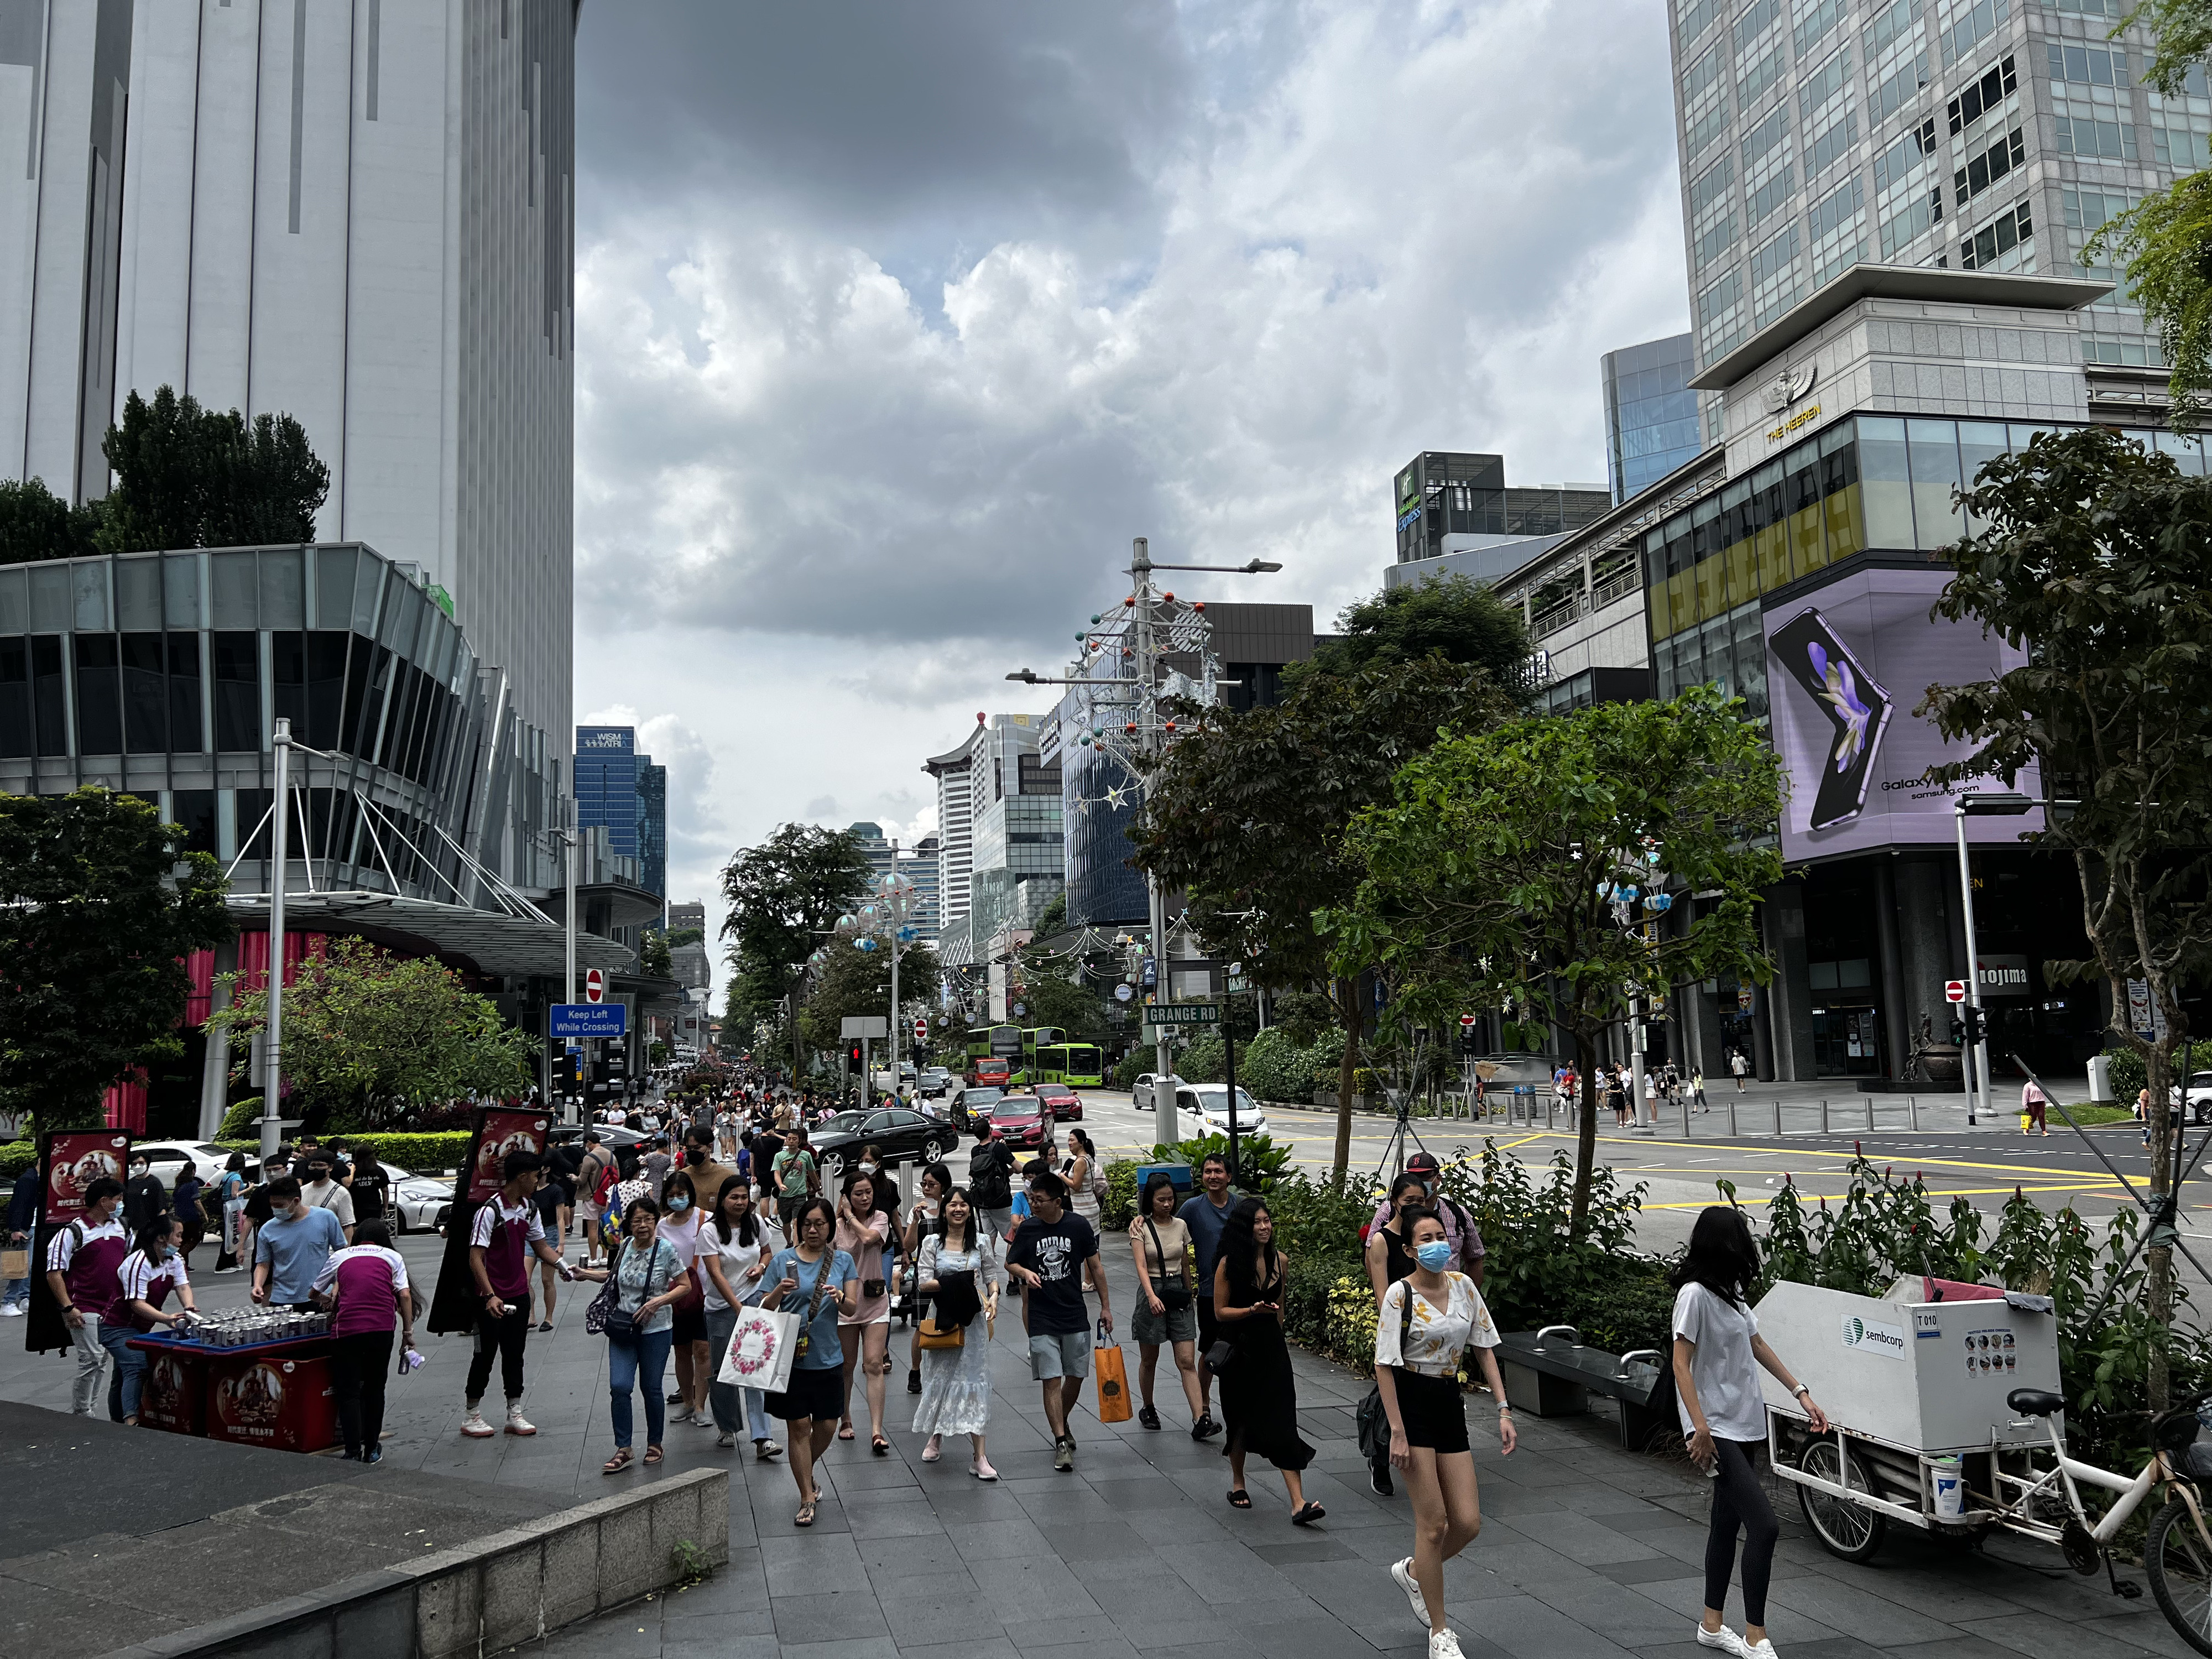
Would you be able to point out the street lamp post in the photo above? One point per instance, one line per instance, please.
(272, 1105)
(1979, 805)
(1149, 733)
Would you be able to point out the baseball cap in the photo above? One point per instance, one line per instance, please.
(1422, 1163)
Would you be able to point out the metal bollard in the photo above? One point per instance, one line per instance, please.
(1870, 1113)
(1731, 1119)
(1912, 1111)
(1777, 1115)
(1824, 1117)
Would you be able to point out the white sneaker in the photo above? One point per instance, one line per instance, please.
(724, 1440)
(1402, 1573)
(477, 1429)
(1763, 1650)
(9, 1310)
(1723, 1638)
(1442, 1644)
(517, 1423)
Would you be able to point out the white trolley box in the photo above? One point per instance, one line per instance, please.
(1914, 1385)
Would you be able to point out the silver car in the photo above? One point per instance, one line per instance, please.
(417, 1200)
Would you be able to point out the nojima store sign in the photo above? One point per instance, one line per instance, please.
(2001, 975)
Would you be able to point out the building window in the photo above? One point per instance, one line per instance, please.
(237, 692)
(1832, 143)
(15, 697)
(1898, 88)
(185, 736)
(146, 696)
(1764, 136)
(1836, 226)
(1989, 246)
(1774, 277)
(1824, 83)
(1969, 29)
(1905, 158)
(1986, 94)
(99, 695)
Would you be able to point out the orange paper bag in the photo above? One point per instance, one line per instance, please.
(1112, 1384)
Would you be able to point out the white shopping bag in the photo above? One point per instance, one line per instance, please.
(762, 1350)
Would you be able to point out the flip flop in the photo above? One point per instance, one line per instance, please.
(804, 1518)
(881, 1447)
(1240, 1499)
(1309, 1512)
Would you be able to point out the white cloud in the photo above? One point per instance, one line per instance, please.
(823, 509)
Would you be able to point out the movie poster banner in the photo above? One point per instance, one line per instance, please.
(498, 1130)
(71, 1160)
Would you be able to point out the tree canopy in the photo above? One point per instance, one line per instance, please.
(782, 896)
(1486, 879)
(99, 904)
(1451, 617)
(368, 1035)
(190, 477)
(1247, 811)
(853, 982)
(2098, 556)
(652, 958)
(37, 523)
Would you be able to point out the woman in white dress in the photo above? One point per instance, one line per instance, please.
(961, 1273)
(1082, 1159)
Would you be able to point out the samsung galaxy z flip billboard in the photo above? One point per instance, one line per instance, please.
(1845, 667)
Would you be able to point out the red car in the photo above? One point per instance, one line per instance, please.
(1067, 1104)
(1023, 1119)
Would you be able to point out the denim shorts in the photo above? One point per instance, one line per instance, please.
(1060, 1353)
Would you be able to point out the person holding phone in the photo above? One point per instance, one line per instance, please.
(1718, 1353)
(1259, 1395)
(649, 1281)
(822, 1283)
(734, 1258)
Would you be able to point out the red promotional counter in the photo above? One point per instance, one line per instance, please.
(272, 1394)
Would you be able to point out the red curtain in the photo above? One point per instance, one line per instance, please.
(125, 1103)
(253, 957)
(199, 967)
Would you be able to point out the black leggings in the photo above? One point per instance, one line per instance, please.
(505, 1337)
(1739, 1502)
(358, 1367)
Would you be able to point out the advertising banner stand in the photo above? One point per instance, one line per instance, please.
(69, 1161)
(498, 1130)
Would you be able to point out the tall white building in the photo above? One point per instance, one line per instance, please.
(955, 823)
(1975, 135)
(361, 215)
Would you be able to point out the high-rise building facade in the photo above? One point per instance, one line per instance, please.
(1650, 412)
(955, 840)
(361, 215)
(922, 870)
(1003, 802)
(1457, 508)
(1975, 135)
(620, 790)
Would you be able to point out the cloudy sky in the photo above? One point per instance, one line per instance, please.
(897, 321)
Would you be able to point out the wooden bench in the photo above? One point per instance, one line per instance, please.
(1552, 1373)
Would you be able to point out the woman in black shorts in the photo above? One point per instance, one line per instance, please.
(1427, 1320)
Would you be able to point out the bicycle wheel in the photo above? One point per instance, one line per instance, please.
(2179, 1568)
(1846, 1529)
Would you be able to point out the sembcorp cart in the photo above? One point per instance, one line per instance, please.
(1915, 1387)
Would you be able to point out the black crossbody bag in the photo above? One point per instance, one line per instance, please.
(1177, 1295)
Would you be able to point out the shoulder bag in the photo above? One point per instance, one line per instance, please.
(1373, 1422)
(606, 1317)
(1177, 1295)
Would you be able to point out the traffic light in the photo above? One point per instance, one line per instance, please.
(1971, 1023)
(853, 1052)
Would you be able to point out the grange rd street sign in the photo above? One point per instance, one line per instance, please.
(1183, 1014)
(590, 1020)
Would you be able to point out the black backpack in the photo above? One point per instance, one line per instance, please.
(990, 1168)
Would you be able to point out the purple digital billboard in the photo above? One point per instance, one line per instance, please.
(1846, 666)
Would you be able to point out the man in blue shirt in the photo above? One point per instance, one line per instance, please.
(1206, 1214)
(289, 1250)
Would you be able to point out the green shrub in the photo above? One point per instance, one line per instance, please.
(1119, 1207)
(1324, 1059)
(2128, 1077)
(17, 1156)
(1206, 1060)
(238, 1122)
(428, 1154)
(1260, 1162)
(1126, 1068)
(1275, 1068)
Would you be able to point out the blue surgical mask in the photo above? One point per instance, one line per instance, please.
(679, 1205)
(1435, 1255)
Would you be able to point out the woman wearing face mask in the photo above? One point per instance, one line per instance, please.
(649, 1281)
(960, 1268)
(680, 1228)
(230, 1191)
(863, 1228)
(1259, 1395)
(734, 1255)
(1427, 1320)
(145, 1279)
(928, 1210)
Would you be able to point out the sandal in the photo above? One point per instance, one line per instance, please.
(804, 1518)
(844, 1431)
(930, 1452)
(652, 1455)
(880, 1446)
(1240, 1499)
(1309, 1512)
(617, 1463)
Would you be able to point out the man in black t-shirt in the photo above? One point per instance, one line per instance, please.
(1052, 1253)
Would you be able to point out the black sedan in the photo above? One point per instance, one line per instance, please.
(972, 1107)
(903, 1135)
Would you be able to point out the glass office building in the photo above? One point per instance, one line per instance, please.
(1650, 412)
(1442, 493)
(162, 675)
(1981, 135)
(620, 790)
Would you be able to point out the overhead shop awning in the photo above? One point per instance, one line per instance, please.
(491, 941)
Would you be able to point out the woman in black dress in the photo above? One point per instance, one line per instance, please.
(1259, 1396)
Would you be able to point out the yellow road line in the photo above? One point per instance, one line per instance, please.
(1892, 1160)
(2108, 1189)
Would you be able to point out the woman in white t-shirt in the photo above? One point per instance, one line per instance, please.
(733, 1255)
(1426, 1322)
(1717, 1354)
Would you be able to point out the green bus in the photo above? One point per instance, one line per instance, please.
(1021, 1068)
(1076, 1064)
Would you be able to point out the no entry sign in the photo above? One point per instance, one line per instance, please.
(595, 985)
(1954, 990)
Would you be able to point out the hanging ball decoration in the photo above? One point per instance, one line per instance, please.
(1169, 597)
(846, 924)
(1131, 599)
(1199, 605)
(866, 944)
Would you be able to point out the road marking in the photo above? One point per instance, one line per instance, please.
(2107, 1190)
(1815, 1151)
